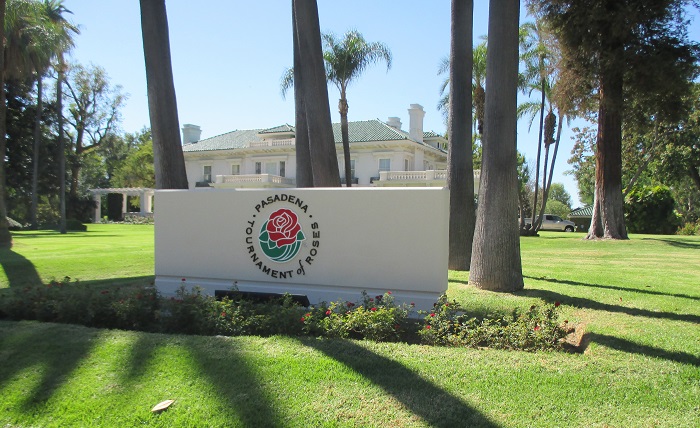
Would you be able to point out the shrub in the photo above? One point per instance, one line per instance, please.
(689, 229)
(651, 210)
(375, 318)
(535, 329)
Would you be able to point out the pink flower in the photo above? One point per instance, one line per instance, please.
(373, 309)
(537, 328)
(432, 314)
(378, 298)
(328, 312)
(302, 319)
(388, 292)
(413, 304)
(350, 304)
(427, 327)
(183, 279)
(223, 315)
(371, 299)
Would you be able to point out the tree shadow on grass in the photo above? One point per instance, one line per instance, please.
(229, 371)
(625, 345)
(27, 347)
(442, 409)
(580, 302)
(676, 243)
(20, 271)
(612, 287)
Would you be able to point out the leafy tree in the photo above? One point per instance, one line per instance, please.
(613, 47)
(137, 169)
(162, 103)
(557, 192)
(556, 207)
(93, 113)
(651, 210)
(495, 261)
(460, 168)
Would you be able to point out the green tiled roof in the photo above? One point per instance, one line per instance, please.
(359, 132)
(282, 128)
(582, 212)
(227, 141)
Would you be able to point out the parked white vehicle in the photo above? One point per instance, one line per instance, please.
(553, 222)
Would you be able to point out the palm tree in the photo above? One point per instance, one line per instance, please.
(478, 85)
(305, 174)
(460, 168)
(496, 261)
(324, 164)
(57, 39)
(5, 236)
(345, 60)
(169, 161)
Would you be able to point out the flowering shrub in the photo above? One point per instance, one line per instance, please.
(191, 311)
(73, 302)
(375, 318)
(535, 329)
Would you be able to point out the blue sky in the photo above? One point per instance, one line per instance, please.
(228, 57)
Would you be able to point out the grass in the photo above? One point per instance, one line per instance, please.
(636, 301)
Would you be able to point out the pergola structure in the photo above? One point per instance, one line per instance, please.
(144, 193)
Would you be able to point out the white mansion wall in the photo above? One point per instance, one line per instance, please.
(353, 240)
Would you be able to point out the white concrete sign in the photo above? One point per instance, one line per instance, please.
(327, 244)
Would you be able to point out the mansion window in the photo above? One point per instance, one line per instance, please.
(207, 173)
(258, 167)
(283, 166)
(235, 169)
(384, 165)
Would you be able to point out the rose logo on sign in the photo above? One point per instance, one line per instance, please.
(281, 236)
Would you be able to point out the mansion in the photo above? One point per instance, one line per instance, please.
(382, 154)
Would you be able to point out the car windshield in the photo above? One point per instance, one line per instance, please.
(556, 218)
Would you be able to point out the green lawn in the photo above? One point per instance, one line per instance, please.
(636, 301)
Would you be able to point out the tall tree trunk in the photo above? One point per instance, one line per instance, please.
(554, 158)
(345, 136)
(5, 236)
(324, 160)
(169, 161)
(536, 227)
(61, 146)
(304, 174)
(460, 161)
(35, 154)
(496, 251)
(533, 228)
(608, 219)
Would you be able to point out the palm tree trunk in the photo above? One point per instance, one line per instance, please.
(536, 227)
(345, 136)
(169, 161)
(324, 161)
(5, 236)
(554, 158)
(496, 261)
(460, 167)
(533, 229)
(304, 173)
(35, 155)
(61, 146)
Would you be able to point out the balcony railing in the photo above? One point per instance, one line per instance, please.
(252, 180)
(433, 178)
(272, 143)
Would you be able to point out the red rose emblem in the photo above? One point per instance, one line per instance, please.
(283, 227)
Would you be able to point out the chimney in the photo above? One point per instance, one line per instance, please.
(190, 133)
(415, 130)
(394, 122)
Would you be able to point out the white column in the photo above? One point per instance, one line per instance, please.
(142, 203)
(124, 203)
(97, 197)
